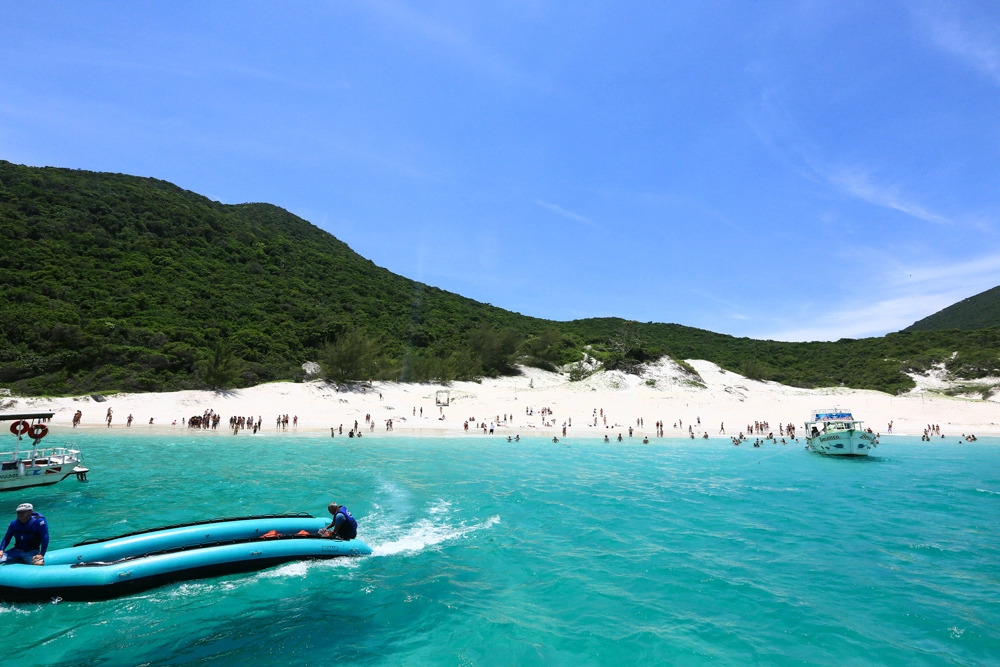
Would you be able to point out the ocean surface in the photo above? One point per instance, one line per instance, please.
(537, 553)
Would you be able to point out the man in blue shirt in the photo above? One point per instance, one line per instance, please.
(345, 526)
(31, 537)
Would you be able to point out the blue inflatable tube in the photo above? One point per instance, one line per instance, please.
(108, 568)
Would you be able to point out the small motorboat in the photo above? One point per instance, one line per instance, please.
(105, 568)
(36, 465)
(836, 432)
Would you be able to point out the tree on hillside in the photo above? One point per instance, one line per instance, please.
(222, 368)
(351, 357)
(495, 349)
(546, 349)
(626, 350)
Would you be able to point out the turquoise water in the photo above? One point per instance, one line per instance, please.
(496, 553)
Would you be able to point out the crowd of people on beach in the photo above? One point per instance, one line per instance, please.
(760, 430)
(210, 420)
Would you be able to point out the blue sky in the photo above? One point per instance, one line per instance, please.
(785, 170)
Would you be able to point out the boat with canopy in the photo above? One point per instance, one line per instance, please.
(837, 433)
(28, 463)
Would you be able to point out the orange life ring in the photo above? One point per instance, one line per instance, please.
(19, 427)
(38, 431)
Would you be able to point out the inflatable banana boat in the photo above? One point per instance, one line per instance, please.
(105, 568)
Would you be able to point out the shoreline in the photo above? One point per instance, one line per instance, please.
(537, 403)
(144, 430)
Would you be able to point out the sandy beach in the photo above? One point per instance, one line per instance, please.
(537, 403)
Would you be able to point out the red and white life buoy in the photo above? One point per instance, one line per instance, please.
(38, 431)
(19, 428)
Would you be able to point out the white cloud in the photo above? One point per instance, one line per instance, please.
(779, 132)
(975, 45)
(864, 319)
(559, 210)
(983, 272)
(469, 52)
(856, 183)
(896, 299)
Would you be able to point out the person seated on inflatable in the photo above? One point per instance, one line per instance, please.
(345, 526)
(31, 537)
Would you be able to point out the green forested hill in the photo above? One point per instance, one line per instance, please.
(977, 312)
(114, 282)
(868, 363)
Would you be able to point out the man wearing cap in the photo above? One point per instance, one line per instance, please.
(31, 537)
(345, 526)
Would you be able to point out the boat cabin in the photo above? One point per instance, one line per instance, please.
(28, 463)
(835, 419)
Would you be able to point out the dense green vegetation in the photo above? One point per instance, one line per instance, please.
(116, 282)
(113, 282)
(977, 312)
(869, 363)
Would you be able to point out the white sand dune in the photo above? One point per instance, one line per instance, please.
(664, 392)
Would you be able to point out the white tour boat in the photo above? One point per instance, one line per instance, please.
(838, 433)
(32, 465)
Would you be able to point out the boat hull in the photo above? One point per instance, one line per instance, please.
(13, 480)
(29, 464)
(850, 442)
(132, 563)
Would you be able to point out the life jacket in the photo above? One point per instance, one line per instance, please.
(30, 536)
(350, 519)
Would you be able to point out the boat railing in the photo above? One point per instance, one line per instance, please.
(815, 428)
(39, 453)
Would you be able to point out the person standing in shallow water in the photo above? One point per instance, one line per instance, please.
(344, 526)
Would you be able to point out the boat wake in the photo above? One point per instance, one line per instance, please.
(391, 534)
(430, 531)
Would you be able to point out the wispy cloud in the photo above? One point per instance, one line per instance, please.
(471, 53)
(778, 131)
(978, 46)
(570, 215)
(667, 203)
(981, 272)
(856, 183)
(863, 319)
(898, 297)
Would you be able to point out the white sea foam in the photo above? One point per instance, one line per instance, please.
(425, 533)
(17, 610)
(293, 569)
(442, 507)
